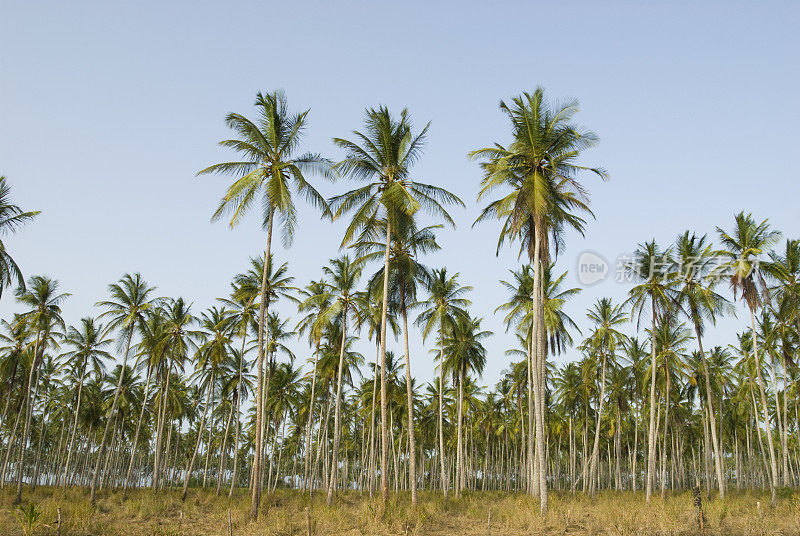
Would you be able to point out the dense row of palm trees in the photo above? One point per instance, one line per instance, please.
(152, 393)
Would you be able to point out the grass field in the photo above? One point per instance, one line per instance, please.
(288, 514)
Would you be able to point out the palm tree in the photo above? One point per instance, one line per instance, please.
(785, 269)
(242, 303)
(445, 304)
(178, 341)
(88, 342)
(603, 343)
(44, 316)
(406, 274)
(698, 300)
(657, 289)
(269, 171)
(218, 329)
(388, 148)
(314, 306)
(342, 297)
(537, 174)
(670, 338)
(130, 300)
(464, 353)
(742, 248)
(11, 218)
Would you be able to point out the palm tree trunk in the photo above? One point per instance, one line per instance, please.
(200, 430)
(262, 315)
(460, 436)
(71, 446)
(136, 435)
(713, 420)
(384, 311)
(441, 408)
(162, 417)
(768, 428)
(310, 420)
(28, 414)
(337, 411)
(412, 443)
(651, 438)
(595, 447)
(103, 441)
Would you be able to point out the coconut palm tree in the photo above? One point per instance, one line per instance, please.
(537, 175)
(178, 342)
(43, 317)
(382, 157)
(11, 218)
(699, 302)
(445, 304)
(603, 343)
(212, 354)
(312, 303)
(342, 296)
(742, 247)
(267, 175)
(406, 274)
(657, 289)
(130, 300)
(464, 354)
(88, 343)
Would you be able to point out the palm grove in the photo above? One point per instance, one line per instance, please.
(151, 393)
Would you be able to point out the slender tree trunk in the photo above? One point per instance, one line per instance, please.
(595, 447)
(74, 427)
(223, 450)
(262, 315)
(713, 424)
(136, 435)
(768, 428)
(29, 400)
(111, 414)
(200, 430)
(310, 420)
(412, 443)
(651, 431)
(384, 311)
(337, 411)
(441, 408)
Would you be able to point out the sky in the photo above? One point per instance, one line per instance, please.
(108, 110)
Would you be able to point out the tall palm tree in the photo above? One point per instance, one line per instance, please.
(541, 196)
(653, 270)
(267, 175)
(603, 343)
(699, 302)
(406, 274)
(130, 300)
(11, 218)
(178, 342)
(218, 329)
(243, 304)
(88, 343)
(743, 247)
(342, 296)
(382, 157)
(464, 353)
(43, 317)
(445, 304)
(314, 306)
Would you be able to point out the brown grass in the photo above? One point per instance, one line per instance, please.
(354, 514)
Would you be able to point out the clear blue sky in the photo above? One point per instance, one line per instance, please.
(107, 111)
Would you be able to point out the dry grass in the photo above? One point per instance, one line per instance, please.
(353, 514)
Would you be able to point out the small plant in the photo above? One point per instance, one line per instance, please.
(28, 517)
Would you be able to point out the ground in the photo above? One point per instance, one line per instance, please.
(287, 513)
